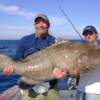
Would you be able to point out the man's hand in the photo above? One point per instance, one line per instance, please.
(9, 70)
(59, 74)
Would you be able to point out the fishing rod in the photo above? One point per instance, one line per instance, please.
(66, 16)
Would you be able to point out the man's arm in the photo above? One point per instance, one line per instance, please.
(20, 50)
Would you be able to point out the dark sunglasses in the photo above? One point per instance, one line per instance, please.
(88, 33)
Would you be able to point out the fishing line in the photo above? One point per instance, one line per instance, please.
(66, 16)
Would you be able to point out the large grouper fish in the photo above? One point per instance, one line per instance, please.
(76, 57)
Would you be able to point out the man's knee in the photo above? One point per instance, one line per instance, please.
(52, 95)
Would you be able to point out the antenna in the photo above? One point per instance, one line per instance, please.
(70, 22)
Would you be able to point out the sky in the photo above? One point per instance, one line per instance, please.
(17, 17)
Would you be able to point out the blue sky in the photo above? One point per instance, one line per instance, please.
(17, 16)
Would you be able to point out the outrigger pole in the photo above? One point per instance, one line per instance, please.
(70, 22)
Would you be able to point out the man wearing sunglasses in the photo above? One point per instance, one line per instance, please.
(90, 34)
(89, 83)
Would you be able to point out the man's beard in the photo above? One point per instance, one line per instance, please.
(43, 34)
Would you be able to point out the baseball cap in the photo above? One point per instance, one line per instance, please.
(42, 16)
(89, 28)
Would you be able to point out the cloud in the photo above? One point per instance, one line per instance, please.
(16, 31)
(15, 10)
(11, 31)
(18, 11)
(56, 21)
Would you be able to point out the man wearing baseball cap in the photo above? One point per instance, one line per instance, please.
(42, 16)
(31, 44)
(89, 83)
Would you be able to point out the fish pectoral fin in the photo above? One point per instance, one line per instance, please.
(28, 81)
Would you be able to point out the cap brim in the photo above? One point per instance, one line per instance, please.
(88, 31)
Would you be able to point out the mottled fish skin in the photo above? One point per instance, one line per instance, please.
(76, 57)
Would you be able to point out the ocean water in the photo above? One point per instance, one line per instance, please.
(8, 46)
